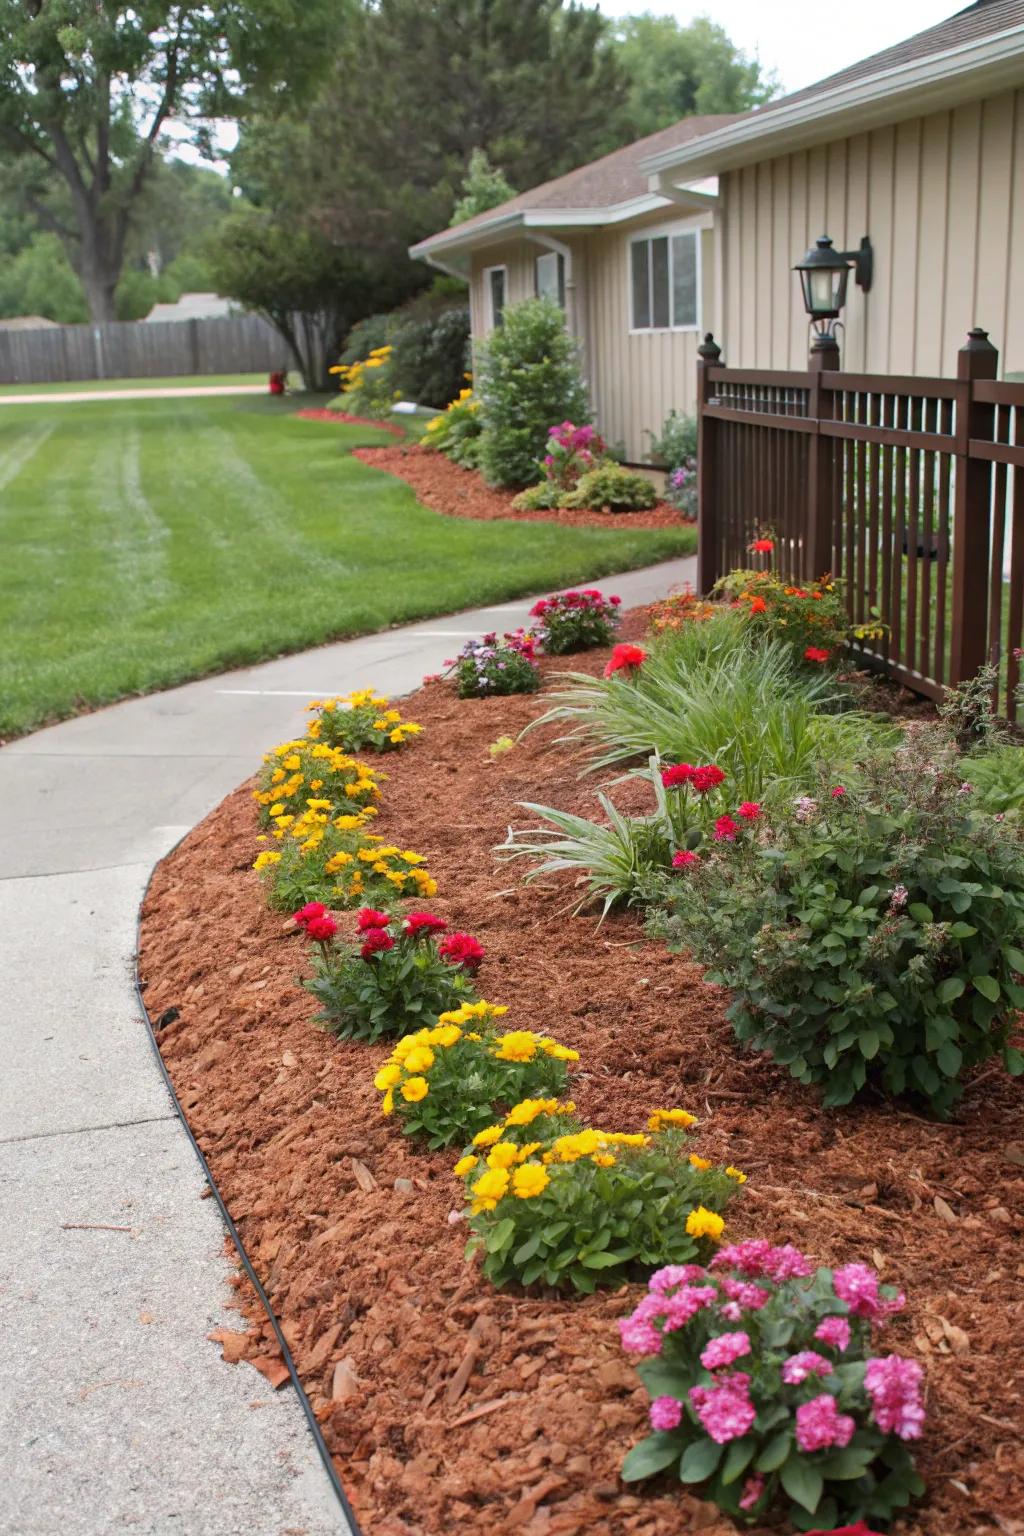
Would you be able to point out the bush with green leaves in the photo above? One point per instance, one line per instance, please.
(765, 1394)
(430, 338)
(398, 973)
(528, 376)
(676, 443)
(611, 488)
(871, 937)
(339, 863)
(355, 721)
(457, 432)
(491, 667)
(996, 775)
(554, 1202)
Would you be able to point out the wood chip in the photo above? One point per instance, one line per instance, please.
(273, 1368)
(233, 1344)
(345, 1382)
(483, 1409)
(944, 1210)
(364, 1178)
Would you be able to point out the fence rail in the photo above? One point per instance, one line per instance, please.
(133, 349)
(910, 490)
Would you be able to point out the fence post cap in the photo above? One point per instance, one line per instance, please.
(709, 349)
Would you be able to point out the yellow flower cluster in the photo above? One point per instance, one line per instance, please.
(296, 769)
(362, 718)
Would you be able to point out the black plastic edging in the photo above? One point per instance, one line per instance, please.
(286, 1354)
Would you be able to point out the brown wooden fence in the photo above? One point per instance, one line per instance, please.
(911, 490)
(135, 349)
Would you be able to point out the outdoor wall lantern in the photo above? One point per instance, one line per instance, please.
(824, 273)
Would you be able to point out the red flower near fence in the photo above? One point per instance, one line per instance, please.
(625, 658)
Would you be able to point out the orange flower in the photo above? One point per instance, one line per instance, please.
(758, 605)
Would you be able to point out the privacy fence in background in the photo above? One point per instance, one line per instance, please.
(137, 350)
(911, 490)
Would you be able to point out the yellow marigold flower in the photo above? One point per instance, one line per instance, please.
(337, 861)
(380, 725)
(427, 887)
(527, 1110)
(293, 763)
(465, 1165)
(368, 855)
(529, 1181)
(389, 1076)
(415, 1089)
(277, 775)
(702, 1164)
(662, 1117)
(347, 823)
(488, 1137)
(275, 810)
(622, 1139)
(412, 858)
(734, 1173)
(517, 1045)
(319, 805)
(393, 716)
(528, 1150)
(502, 1155)
(388, 1102)
(446, 1035)
(603, 1160)
(419, 1059)
(265, 858)
(490, 1187)
(704, 1223)
(569, 1149)
(560, 1052)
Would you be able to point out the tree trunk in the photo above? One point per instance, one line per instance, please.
(99, 290)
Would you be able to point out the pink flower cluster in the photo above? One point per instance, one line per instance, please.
(819, 1424)
(559, 602)
(806, 1363)
(725, 1410)
(894, 1387)
(857, 1285)
(756, 1257)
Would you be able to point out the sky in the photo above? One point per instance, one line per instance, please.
(787, 35)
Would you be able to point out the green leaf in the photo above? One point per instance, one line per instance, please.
(652, 1455)
(1013, 1061)
(601, 1260)
(500, 1234)
(699, 1460)
(1015, 958)
(802, 1482)
(920, 913)
(988, 987)
(950, 1058)
(526, 1250)
(737, 1459)
(774, 1453)
(869, 1043)
(951, 988)
(962, 931)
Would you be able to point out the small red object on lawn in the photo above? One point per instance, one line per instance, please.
(277, 382)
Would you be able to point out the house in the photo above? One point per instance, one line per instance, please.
(192, 306)
(920, 148)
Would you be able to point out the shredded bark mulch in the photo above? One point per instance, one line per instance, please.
(457, 492)
(448, 1406)
(324, 413)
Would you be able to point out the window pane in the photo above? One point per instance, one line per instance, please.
(497, 294)
(550, 278)
(684, 279)
(641, 285)
(659, 281)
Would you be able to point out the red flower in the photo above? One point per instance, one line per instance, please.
(322, 928)
(706, 778)
(615, 601)
(625, 657)
(762, 546)
(749, 810)
(725, 830)
(684, 858)
(310, 910)
(422, 923)
(815, 653)
(758, 605)
(375, 940)
(367, 918)
(680, 773)
(540, 607)
(462, 949)
(838, 792)
(860, 1529)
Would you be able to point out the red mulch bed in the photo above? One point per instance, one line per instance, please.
(458, 492)
(448, 1406)
(324, 413)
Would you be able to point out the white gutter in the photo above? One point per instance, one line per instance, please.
(994, 63)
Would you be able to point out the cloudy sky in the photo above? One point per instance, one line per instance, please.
(805, 41)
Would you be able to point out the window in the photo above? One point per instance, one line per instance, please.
(664, 275)
(549, 277)
(495, 285)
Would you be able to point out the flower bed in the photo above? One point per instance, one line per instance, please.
(450, 1406)
(325, 413)
(458, 492)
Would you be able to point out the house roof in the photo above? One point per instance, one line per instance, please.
(977, 51)
(601, 192)
(191, 306)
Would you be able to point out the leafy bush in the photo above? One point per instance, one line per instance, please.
(430, 338)
(539, 498)
(449, 1082)
(306, 775)
(676, 444)
(610, 488)
(997, 778)
(683, 606)
(575, 621)
(571, 452)
(368, 387)
(811, 620)
(457, 433)
(529, 376)
(365, 337)
(868, 937)
(339, 863)
(359, 720)
(764, 1391)
(573, 1207)
(490, 667)
(399, 972)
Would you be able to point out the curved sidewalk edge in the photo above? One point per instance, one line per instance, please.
(118, 1412)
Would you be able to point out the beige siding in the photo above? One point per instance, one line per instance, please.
(942, 200)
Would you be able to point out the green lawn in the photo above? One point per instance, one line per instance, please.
(76, 386)
(146, 542)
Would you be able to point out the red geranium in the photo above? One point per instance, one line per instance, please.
(322, 928)
(423, 923)
(625, 658)
(860, 1529)
(375, 941)
(706, 778)
(749, 810)
(838, 791)
(684, 858)
(758, 605)
(762, 546)
(725, 830)
(367, 918)
(615, 601)
(462, 949)
(815, 653)
(679, 773)
(310, 910)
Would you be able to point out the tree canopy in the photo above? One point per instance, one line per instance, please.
(678, 71)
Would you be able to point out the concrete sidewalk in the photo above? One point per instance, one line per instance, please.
(170, 392)
(116, 1411)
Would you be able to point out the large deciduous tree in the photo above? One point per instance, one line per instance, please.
(88, 88)
(677, 70)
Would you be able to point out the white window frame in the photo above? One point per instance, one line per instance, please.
(658, 232)
(489, 319)
(560, 278)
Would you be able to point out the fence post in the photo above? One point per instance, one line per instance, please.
(710, 356)
(817, 555)
(976, 359)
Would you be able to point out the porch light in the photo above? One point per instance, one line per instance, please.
(824, 273)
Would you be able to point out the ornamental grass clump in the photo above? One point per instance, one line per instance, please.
(360, 720)
(335, 860)
(398, 973)
(449, 1082)
(490, 667)
(765, 1393)
(554, 1202)
(297, 770)
(574, 621)
(870, 936)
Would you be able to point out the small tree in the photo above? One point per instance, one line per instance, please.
(484, 188)
(529, 379)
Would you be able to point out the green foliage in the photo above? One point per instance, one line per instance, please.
(613, 860)
(365, 337)
(676, 444)
(430, 338)
(368, 388)
(359, 720)
(611, 488)
(299, 771)
(366, 994)
(811, 620)
(539, 498)
(483, 188)
(574, 621)
(997, 777)
(528, 377)
(39, 280)
(870, 938)
(490, 667)
(457, 432)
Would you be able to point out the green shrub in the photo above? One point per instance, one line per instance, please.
(676, 444)
(306, 776)
(997, 777)
(868, 937)
(610, 488)
(365, 337)
(368, 387)
(355, 721)
(430, 337)
(490, 667)
(457, 432)
(528, 377)
(539, 498)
